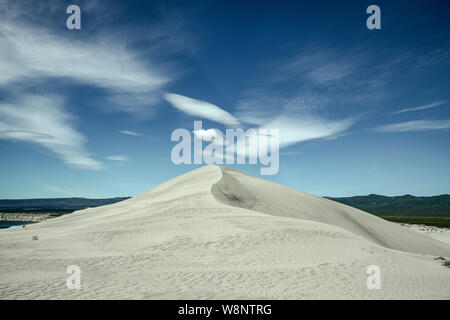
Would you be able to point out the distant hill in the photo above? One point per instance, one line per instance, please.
(407, 205)
(60, 205)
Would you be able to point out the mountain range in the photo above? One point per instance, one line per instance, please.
(406, 205)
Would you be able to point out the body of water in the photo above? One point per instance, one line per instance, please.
(7, 224)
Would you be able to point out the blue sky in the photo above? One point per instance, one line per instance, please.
(88, 112)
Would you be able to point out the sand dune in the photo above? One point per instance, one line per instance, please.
(216, 233)
(237, 189)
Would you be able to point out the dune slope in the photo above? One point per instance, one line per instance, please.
(219, 234)
(238, 189)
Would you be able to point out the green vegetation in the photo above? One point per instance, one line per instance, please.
(430, 211)
(441, 222)
(401, 206)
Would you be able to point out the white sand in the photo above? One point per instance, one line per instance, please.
(441, 234)
(215, 234)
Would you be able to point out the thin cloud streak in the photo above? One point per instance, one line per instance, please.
(117, 158)
(295, 130)
(424, 107)
(416, 125)
(202, 109)
(130, 133)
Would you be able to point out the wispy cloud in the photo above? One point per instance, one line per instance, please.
(299, 129)
(202, 109)
(424, 107)
(209, 135)
(417, 125)
(130, 133)
(108, 59)
(32, 55)
(44, 120)
(331, 81)
(295, 119)
(333, 68)
(298, 118)
(33, 52)
(117, 158)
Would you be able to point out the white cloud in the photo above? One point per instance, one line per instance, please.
(43, 120)
(293, 129)
(417, 125)
(130, 65)
(295, 122)
(424, 107)
(299, 118)
(209, 135)
(296, 119)
(202, 109)
(130, 133)
(31, 52)
(117, 158)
